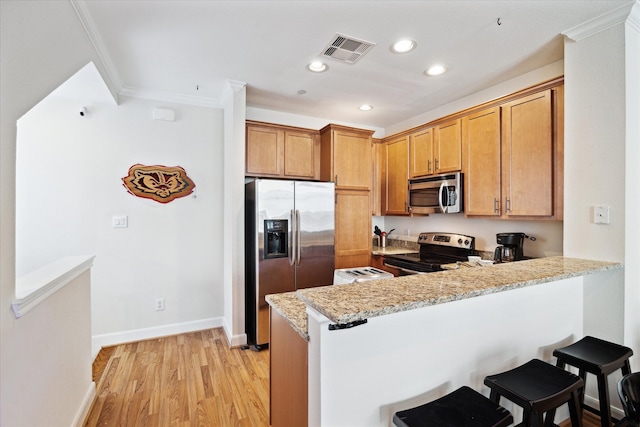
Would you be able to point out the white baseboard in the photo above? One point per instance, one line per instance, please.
(234, 340)
(616, 412)
(83, 411)
(99, 341)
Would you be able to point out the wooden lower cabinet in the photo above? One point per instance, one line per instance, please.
(288, 353)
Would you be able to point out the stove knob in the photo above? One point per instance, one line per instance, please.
(466, 243)
(459, 241)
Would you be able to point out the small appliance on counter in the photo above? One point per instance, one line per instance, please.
(362, 274)
(512, 247)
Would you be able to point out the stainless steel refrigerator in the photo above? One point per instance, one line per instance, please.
(289, 232)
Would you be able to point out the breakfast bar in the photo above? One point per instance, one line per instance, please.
(381, 346)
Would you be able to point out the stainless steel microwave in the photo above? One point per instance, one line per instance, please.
(436, 194)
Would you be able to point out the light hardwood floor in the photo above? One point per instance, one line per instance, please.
(185, 380)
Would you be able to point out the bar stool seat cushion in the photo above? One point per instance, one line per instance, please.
(463, 407)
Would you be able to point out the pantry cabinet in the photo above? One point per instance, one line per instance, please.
(282, 151)
(395, 195)
(346, 159)
(352, 229)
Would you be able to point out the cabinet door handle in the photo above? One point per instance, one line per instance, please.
(429, 166)
(508, 205)
(496, 205)
(336, 179)
(436, 165)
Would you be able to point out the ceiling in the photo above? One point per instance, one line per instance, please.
(185, 51)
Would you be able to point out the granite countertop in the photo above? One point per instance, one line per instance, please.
(292, 309)
(391, 250)
(357, 301)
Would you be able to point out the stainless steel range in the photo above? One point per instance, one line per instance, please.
(436, 249)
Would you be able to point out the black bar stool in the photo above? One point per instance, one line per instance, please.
(599, 358)
(463, 407)
(538, 387)
(629, 392)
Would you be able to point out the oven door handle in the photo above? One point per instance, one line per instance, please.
(443, 186)
(406, 270)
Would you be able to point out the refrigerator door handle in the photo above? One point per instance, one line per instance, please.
(292, 254)
(298, 248)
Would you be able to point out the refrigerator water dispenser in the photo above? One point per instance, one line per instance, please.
(275, 238)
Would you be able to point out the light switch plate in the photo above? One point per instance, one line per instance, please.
(119, 221)
(601, 215)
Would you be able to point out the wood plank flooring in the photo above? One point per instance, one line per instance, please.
(185, 380)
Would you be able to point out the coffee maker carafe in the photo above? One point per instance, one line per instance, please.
(512, 247)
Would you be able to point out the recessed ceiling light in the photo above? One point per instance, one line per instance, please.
(403, 46)
(317, 67)
(436, 70)
(366, 107)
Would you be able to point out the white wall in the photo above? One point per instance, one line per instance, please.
(36, 56)
(234, 101)
(594, 143)
(69, 171)
(632, 231)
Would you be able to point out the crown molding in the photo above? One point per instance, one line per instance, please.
(598, 24)
(634, 16)
(79, 6)
(172, 97)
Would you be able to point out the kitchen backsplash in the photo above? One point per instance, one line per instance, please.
(413, 245)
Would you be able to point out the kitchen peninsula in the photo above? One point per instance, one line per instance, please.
(382, 346)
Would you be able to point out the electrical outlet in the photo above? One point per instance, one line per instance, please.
(160, 304)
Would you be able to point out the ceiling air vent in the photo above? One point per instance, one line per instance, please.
(346, 49)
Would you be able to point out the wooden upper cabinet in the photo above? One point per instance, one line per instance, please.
(481, 162)
(301, 154)
(397, 176)
(447, 147)
(512, 158)
(264, 153)
(421, 153)
(528, 156)
(346, 157)
(281, 151)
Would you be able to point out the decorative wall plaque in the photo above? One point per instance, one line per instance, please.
(160, 183)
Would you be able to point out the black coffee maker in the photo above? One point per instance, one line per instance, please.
(512, 247)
